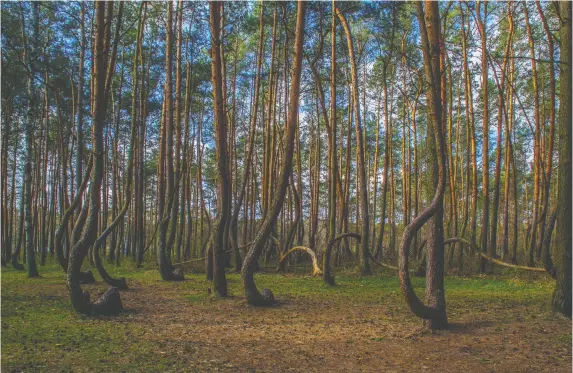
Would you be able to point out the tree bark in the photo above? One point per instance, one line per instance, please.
(435, 312)
(365, 269)
(224, 183)
(561, 301)
(266, 298)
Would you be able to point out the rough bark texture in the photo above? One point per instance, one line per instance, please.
(248, 159)
(365, 243)
(224, 186)
(80, 300)
(266, 298)
(166, 162)
(561, 301)
(435, 312)
(327, 276)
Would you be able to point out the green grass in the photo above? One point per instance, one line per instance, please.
(39, 328)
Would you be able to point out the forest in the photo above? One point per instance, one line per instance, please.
(273, 186)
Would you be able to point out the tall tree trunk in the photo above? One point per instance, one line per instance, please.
(251, 146)
(252, 294)
(166, 161)
(482, 22)
(435, 312)
(501, 109)
(110, 302)
(472, 133)
(508, 157)
(561, 301)
(364, 243)
(80, 104)
(29, 57)
(536, 146)
(546, 254)
(224, 184)
(333, 154)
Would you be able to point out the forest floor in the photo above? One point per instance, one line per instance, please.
(499, 323)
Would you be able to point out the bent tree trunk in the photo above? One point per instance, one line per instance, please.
(100, 241)
(87, 276)
(292, 230)
(315, 268)
(435, 312)
(248, 159)
(266, 298)
(110, 303)
(327, 275)
(166, 162)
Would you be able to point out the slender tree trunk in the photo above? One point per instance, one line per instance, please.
(536, 146)
(546, 254)
(435, 312)
(247, 272)
(251, 146)
(471, 128)
(224, 184)
(561, 301)
(29, 56)
(166, 186)
(333, 154)
(110, 302)
(501, 109)
(482, 22)
(364, 243)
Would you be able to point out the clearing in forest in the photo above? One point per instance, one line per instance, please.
(498, 324)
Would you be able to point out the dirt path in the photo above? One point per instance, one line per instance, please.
(305, 335)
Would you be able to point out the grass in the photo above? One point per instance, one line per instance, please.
(40, 331)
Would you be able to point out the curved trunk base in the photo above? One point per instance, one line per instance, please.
(328, 276)
(177, 274)
(264, 299)
(119, 283)
(108, 304)
(328, 279)
(17, 265)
